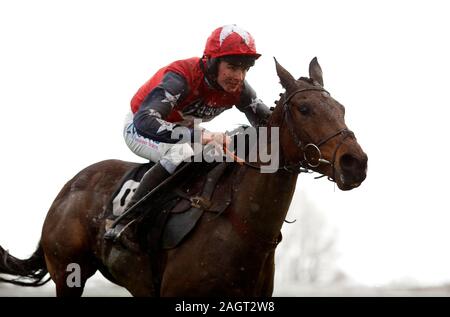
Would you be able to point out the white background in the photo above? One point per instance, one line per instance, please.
(68, 70)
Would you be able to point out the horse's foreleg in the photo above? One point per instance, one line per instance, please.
(267, 276)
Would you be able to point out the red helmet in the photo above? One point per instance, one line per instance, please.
(230, 40)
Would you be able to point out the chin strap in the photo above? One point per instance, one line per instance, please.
(209, 76)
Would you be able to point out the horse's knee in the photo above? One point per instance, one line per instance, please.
(176, 154)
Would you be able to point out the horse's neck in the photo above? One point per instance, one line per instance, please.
(264, 199)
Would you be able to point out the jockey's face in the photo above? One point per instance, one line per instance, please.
(230, 77)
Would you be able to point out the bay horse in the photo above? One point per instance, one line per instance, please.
(229, 255)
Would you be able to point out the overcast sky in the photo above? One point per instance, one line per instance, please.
(68, 70)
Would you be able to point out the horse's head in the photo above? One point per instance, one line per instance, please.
(313, 133)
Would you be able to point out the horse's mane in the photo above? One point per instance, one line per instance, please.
(305, 80)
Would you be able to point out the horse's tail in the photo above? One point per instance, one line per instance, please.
(30, 272)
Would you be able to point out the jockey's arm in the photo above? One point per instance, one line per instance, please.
(254, 109)
(149, 120)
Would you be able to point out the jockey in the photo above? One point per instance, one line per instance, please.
(194, 88)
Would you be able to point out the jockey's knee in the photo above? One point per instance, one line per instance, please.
(175, 155)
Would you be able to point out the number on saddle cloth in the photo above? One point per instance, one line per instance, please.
(127, 186)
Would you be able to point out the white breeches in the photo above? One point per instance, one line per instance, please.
(170, 155)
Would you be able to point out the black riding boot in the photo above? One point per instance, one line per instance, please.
(154, 176)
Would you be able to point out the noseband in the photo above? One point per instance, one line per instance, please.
(306, 163)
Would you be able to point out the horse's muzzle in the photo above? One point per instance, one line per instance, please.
(352, 171)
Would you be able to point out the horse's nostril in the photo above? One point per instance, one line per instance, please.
(351, 163)
(347, 161)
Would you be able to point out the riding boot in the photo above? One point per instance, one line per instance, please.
(155, 176)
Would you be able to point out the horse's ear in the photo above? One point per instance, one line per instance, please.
(315, 71)
(286, 79)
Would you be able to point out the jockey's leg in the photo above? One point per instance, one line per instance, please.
(168, 157)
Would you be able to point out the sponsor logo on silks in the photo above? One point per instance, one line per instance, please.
(203, 111)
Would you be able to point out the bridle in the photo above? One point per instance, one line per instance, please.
(303, 166)
(306, 163)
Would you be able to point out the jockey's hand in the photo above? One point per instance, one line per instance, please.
(217, 138)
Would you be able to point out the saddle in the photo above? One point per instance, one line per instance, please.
(174, 210)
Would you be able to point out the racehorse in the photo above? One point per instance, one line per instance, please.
(227, 255)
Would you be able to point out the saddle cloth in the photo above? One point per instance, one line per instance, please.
(125, 190)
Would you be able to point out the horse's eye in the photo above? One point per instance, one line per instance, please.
(304, 110)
